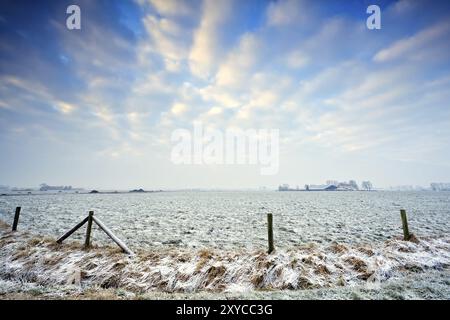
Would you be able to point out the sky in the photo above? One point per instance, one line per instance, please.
(96, 107)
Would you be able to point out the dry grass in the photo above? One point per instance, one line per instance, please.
(104, 272)
(322, 269)
(304, 283)
(4, 225)
(357, 264)
(367, 251)
(214, 275)
(338, 248)
(204, 256)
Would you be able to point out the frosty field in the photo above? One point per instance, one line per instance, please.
(236, 219)
(328, 244)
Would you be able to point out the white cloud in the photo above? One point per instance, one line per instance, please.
(237, 67)
(170, 7)
(376, 112)
(206, 47)
(221, 96)
(64, 107)
(37, 92)
(286, 12)
(154, 82)
(316, 82)
(414, 46)
(297, 59)
(178, 108)
(215, 111)
(167, 38)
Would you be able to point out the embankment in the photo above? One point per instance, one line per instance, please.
(27, 259)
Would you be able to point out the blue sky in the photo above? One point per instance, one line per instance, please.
(96, 107)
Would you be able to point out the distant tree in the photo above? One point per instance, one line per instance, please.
(353, 184)
(364, 185)
(367, 185)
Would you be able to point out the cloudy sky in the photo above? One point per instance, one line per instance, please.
(96, 107)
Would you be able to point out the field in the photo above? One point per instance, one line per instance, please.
(32, 265)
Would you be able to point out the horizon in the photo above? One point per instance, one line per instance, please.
(99, 106)
(397, 187)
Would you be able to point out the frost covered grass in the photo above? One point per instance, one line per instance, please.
(38, 267)
(235, 219)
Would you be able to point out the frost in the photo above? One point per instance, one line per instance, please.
(27, 259)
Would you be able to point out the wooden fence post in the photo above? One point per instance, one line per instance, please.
(87, 243)
(67, 234)
(89, 219)
(16, 219)
(270, 232)
(406, 235)
(112, 236)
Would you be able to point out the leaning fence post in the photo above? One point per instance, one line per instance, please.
(68, 233)
(16, 219)
(87, 243)
(406, 235)
(112, 236)
(270, 232)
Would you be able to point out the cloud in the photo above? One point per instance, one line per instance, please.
(380, 113)
(170, 7)
(65, 107)
(33, 92)
(166, 38)
(215, 111)
(178, 108)
(286, 12)
(219, 95)
(296, 59)
(206, 48)
(417, 46)
(329, 85)
(238, 65)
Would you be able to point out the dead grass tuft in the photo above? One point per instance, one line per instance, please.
(204, 256)
(322, 269)
(414, 239)
(52, 260)
(112, 281)
(304, 283)
(357, 264)
(214, 274)
(4, 225)
(366, 251)
(35, 241)
(338, 248)
(20, 254)
(257, 280)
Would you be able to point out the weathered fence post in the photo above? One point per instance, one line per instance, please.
(16, 219)
(87, 243)
(89, 219)
(406, 235)
(112, 236)
(67, 234)
(270, 232)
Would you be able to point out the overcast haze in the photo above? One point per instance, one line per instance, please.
(96, 107)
